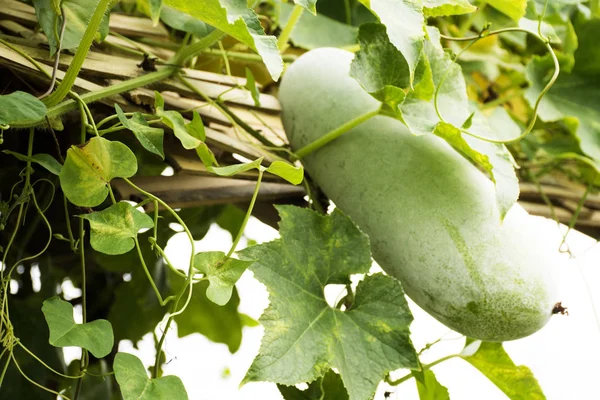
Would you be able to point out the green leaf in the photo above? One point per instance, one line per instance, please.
(290, 173)
(45, 160)
(588, 52)
(95, 336)
(440, 8)
(135, 384)
(501, 162)
(221, 324)
(150, 138)
(310, 5)
(380, 68)
(428, 386)
(517, 382)
(114, 229)
(251, 86)
(196, 127)
(314, 31)
(222, 273)
(175, 121)
(197, 130)
(378, 63)
(235, 19)
(515, 9)
(573, 95)
(184, 22)
(20, 107)
(304, 336)
(78, 14)
(231, 170)
(155, 9)
(89, 169)
(329, 387)
(206, 155)
(405, 25)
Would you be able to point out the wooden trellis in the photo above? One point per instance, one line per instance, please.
(191, 185)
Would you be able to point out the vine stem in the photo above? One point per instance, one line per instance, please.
(334, 134)
(149, 275)
(56, 109)
(289, 27)
(84, 358)
(189, 281)
(194, 49)
(549, 85)
(34, 382)
(248, 213)
(84, 47)
(46, 365)
(425, 367)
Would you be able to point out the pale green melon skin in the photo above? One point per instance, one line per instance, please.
(431, 216)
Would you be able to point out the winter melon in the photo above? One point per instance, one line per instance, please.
(430, 214)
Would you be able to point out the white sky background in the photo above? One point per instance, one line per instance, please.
(564, 356)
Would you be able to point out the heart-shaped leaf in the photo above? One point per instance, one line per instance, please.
(222, 273)
(135, 384)
(89, 169)
(114, 228)
(20, 107)
(95, 336)
(150, 138)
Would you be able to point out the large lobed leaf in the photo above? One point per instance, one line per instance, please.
(304, 336)
(329, 386)
(405, 25)
(428, 386)
(314, 31)
(576, 94)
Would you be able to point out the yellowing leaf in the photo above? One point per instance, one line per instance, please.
(516, 381)
(114, 228)
(89, 169)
